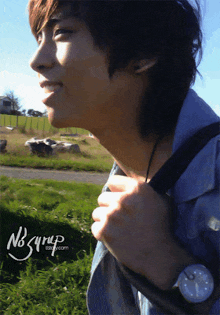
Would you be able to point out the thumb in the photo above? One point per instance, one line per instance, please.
(119, 183)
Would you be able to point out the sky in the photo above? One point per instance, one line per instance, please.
(17, 45)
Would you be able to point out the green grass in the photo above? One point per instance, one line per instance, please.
(36, 123)
(93, 157)
(43, 283)
(87, 165)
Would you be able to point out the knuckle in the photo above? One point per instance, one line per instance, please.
(112, 216)
(104, 233)
(99, 230)
(127, 200)
(100, 198)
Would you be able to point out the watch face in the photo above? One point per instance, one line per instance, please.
(196, 283)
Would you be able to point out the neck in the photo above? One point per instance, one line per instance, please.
(133, 154)
(117, 130)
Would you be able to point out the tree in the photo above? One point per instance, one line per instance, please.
(15, 101)
(16, 113)
(30, 112)
(34, 113)
(45, 113)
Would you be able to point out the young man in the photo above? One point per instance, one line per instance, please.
(123, 70)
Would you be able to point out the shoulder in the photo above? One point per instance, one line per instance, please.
(200, 176)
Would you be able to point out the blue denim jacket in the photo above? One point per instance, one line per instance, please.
(197, 226)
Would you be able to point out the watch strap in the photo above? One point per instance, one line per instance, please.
(169, 302)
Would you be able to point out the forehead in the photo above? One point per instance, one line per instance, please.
(40, 17)
(63, 11)
(59, 15)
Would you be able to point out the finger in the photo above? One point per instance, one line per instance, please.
(119, 183)
(96, 229)
(107, 198)
(99, 214)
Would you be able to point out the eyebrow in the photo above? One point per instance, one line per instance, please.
(58, 17)
(62, 14)
(51, 22)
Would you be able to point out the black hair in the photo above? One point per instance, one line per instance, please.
(168, 30)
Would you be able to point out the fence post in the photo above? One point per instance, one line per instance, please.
(25, 123)
(44, 124)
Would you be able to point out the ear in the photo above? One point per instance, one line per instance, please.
(145, 64)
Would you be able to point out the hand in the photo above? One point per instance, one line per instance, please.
(133, 221)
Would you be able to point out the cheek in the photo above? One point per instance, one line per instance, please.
(87, 77)
(74, 52)
(99, 73)
(65, 54)
(71, 53)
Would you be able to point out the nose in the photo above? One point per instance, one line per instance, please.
(43, 58)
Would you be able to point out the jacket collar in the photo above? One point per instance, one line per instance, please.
(199, 177)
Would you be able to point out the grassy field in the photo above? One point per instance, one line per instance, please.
(33, 280)
(93, 156)
(35, 123)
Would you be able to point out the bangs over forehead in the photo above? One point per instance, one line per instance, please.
(40, 11)
(135, 30)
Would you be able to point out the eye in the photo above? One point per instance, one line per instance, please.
(62, 32)
(39, 38)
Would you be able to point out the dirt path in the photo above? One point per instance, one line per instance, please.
(27, 173)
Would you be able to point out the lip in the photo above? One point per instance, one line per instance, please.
(51, 88)
(50, 83)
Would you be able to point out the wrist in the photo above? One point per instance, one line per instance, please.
(165, 264)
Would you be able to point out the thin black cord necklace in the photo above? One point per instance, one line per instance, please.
(151, 157)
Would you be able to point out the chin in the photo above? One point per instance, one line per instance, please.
(54, 119)
(56, 124)
(58, 121)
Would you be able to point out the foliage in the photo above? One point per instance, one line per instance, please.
(15, 101)
(34, 113)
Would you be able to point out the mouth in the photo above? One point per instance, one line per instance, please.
(50, 87)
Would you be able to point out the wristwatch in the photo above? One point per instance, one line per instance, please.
(195, 283)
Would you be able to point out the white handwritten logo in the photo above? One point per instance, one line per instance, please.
(38, 240)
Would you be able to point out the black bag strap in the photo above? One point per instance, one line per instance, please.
(171, 171)
(163, 180)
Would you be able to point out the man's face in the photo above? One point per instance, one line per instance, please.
(74, 74)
